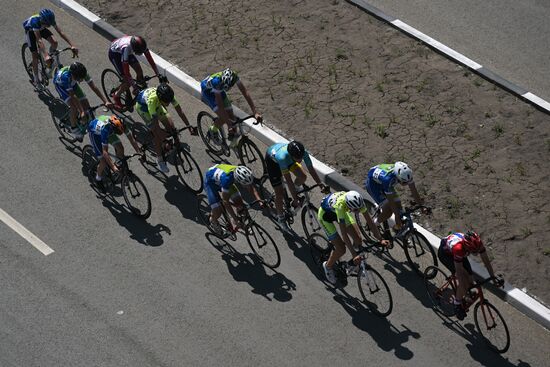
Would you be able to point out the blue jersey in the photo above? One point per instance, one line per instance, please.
(279, 153)
(213, 82)
(383, 178)
(65, 81)
(221, 175)
(34, 24)
(101, 127)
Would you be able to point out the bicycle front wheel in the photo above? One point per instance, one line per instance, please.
(491, 326)
(251, 156)
(213, 141)
(420, 254)
(263, 245)
(188, 171)
(441, 290)
(110, 82)
(136, 195)
(375, 291)
(310, 223)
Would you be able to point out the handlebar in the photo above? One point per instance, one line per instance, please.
(240, 121)
(57, 52)
(498, 278)
(307, 188)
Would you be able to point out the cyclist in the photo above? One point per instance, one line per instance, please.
(341, 207)
(36, 29)
(150, 105)
(222, 177)
(281, 159)
(453, 253)
(66, 83)
(380, 184)
(102, 131)
(122, 55)
(214, 90)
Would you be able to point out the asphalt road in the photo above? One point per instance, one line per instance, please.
(509, 37)
(118, 291)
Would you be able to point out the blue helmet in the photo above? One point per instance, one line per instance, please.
(47, 16)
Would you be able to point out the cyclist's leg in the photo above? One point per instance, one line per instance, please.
(326, 219)
(116, 60)
(154, 128)
(47, 35)
(214, 199)
(276, 179)
(114, 140)
(33, 48)
(95, 141)
(298, 170)
(352, 230)
(134, 63)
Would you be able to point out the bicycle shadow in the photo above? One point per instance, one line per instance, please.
(178, 195)
(387, 336)
(247, 268)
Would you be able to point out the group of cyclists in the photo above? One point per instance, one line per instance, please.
(283, 160)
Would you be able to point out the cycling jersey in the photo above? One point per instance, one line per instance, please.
(101, 133)
(64, 83)
(454, 245)
(34, 24)
(334, 208)
(213, 82)
(149, 105)
(123, 46)
(220, 177)
(381, 181)
(279, 154)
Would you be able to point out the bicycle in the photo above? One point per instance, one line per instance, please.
(373, 288)
(44, 75)
(63, 124)
(259, 240)
(187, 167)
(133, 189)
(111, 82)
(418, 250)
(441, 290)
(246, 150)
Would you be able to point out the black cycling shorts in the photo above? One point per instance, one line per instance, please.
(31, 38)
(273, 171)
(446, 259)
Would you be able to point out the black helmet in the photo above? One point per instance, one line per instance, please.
(138, 45)
(296, 150)
(165, 93)
(78, 70)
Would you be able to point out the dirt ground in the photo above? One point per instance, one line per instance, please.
(357, 93)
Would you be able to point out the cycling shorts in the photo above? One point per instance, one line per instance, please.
(95, 140)
(116, 60)
(213, 193)
(64, 95)
(31, 38)
(327, 219)
(148, 118)
(209, 98)
(376, 191)
(274, 171)
(446, 259)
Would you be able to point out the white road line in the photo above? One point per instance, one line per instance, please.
(25, 233)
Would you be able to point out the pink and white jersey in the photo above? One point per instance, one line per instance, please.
(454, 244)
(123, 46)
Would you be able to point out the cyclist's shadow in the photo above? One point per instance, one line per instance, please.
(249, 269)
(387, 336)
(182, 198)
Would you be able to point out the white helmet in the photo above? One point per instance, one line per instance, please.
(243, 175)
(403, 172)
(228, 79)
(354, 200)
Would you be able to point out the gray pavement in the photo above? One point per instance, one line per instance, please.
(118, 291)
(509, 37)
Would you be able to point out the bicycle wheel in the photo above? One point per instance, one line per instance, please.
(110, 81)
(203, 211)
(251, 156)
(441, 290)
(320, 249)
(63, 125)
(310, 223)
(420, 254)
(89, 162)
(491, 326)
(375, 291)
(263, 245)
(26, 55)
(136, 195)
(188, 171)
(213, 141)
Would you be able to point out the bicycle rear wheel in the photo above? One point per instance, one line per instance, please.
(251, 156)
(491, 326)
(213, 141)
(320, 249)
(89, 162)
(310, 223)
(136, 195)
(26, 55)
(63, 125)
(420, 254)
(375, 291)
(441, 290)
(263, 245)
(188, 171)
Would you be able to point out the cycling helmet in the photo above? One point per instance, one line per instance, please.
(165, 93)
(117, 124)
(403, 172)
(296, 150)
(354, 200)
(228, 79)
(243, 175)
(47, 17)
(472, 242)
(78, 70)
(138, 45)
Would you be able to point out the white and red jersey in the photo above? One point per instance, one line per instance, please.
(454, 244)
(123, 46)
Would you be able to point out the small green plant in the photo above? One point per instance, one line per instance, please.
(520, 169)
(475, 154)
(340, 54)
(478, 82)
(380, 130)
(546, 251)
(454, 205)
(420, 87)
(431, 120)
(380, 87)
(488, 115)
(526, 232)
(498, 130)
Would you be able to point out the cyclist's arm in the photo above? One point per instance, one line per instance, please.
(107, 157)
(64, 36)
(182, 116)
(98, 93)
(133, 141)
(74, 101)
(249, 100)
(314, 174)
(345, 230)
(39, 41)
(149, 58)
(226, 202)
(415, 194)
(221, 109)
(373, 227)
(395, 205)
(252, 190)
(290, 185)
(487, 263)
